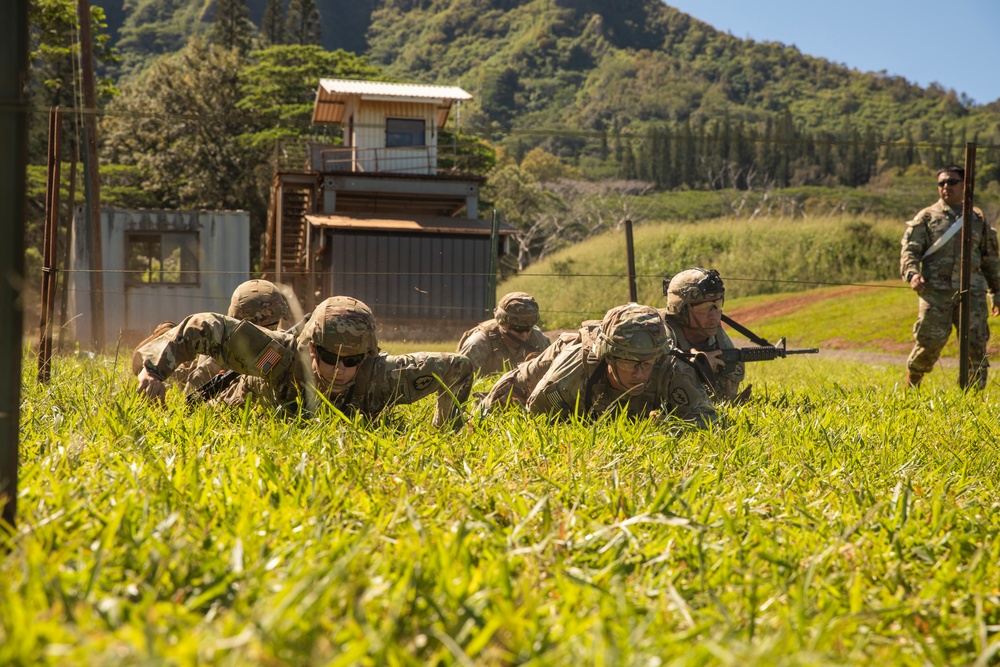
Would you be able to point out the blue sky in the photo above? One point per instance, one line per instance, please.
(920, 40)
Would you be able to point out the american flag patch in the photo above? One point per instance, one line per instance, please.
(268, 358)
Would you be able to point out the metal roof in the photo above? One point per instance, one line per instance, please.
(333, 93)
(411, 223)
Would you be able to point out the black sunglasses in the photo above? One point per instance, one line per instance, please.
(518, 328)
(331, 358)
(949, 181)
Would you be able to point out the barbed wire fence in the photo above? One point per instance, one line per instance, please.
(941, 149)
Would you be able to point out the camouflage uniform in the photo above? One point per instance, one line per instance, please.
(491, 349)
(276, 367)
(690, 287)
(257, 301)
(578, 381)
(939, 300)
(517, 384)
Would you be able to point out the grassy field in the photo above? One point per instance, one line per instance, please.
(835, 520)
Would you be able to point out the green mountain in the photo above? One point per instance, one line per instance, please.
(592, 65)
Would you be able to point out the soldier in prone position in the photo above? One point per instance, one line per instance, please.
(628, 367)
(503, 342)
(257, 301)
(335, 355)
(694, 317)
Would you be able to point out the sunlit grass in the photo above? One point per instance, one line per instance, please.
(836, 520)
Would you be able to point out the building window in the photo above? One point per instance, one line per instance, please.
(400, 132)
(167, 258)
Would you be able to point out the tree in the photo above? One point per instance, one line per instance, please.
(179, 125)
(279, 87)
(302, 24)
(54, 54)
(232, 28)
(272, 25)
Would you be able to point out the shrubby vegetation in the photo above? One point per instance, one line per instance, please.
(754, 258)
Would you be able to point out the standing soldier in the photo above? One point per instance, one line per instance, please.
(694, 316)
(335, 356)
(628, 367)
(929, 262)
(508, 339)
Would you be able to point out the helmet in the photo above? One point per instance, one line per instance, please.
(632, 332)
(692, 286)
(260, 302)
(341, 324)
(517, 309)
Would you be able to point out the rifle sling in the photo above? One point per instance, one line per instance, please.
(754, 338)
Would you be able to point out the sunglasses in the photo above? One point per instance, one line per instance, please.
(519, 329)
(949, 181)
(331, 358)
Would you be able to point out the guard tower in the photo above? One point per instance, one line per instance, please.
(385, 210)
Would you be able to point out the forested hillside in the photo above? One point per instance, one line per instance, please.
(581, 107)
(581, 77)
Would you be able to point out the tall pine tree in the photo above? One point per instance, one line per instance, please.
(272, 25)
(232, 28)
(302, 26)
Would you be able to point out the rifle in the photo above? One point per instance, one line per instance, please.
(762, 353)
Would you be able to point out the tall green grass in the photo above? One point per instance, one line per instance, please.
(835, 520)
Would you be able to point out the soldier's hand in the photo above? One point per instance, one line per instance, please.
(714, 359)
(917, 283)
(995, 304)
(151, 387)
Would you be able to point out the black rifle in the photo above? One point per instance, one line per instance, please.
(762, 353)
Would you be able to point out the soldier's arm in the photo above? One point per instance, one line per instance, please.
(478, 349)
(990, 258)
(685, 396)
(559, 390)
(409, 377)
(913, 246)
(236, 344)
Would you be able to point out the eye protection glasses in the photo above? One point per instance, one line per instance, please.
(332, 358)
(949, 181)
(630, 366)
(518, 328)
(706, 307)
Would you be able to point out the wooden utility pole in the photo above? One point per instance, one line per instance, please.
(965, 269)
(633, 292)
(14, 157)
(50, 243)
(92, 181)
(491, 278)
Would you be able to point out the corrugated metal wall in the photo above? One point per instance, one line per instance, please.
(131, 309)
(431, 276)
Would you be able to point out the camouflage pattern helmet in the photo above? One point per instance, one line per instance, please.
(632, 332)
(259, 302)
(693, 286)
(517, 309)
(343, 325)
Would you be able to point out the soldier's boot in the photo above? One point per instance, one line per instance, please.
(913, 379)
